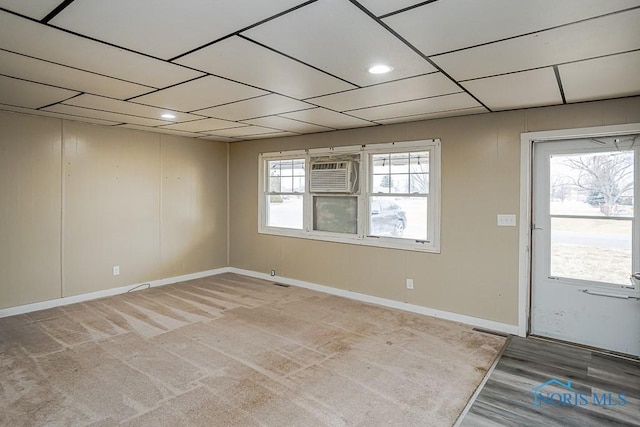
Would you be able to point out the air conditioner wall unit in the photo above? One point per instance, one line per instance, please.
(333, 177)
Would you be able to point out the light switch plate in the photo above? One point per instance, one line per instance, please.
(506, 220)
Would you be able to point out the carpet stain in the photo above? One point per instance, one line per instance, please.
(232, 350)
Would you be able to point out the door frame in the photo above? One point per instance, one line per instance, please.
(527, 140)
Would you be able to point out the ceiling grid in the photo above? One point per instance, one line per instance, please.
(234, 70)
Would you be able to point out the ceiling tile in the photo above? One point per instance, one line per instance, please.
(430, 116)
(161, 130)
(218, 138)
(103, 115)
(244, 131)
(518, 90)
(30, 95)
(266, 105)
(478, 22)
(328, 118)
(56, 115)
(244, 61)
(611, 34)
(336, 36)
(204, 125)
(386, 93)
(27, 68)
(270, 135)
(421, 106)
(285, 124)
(306, 70)
(146, 25)
(383, 7)
(199, 94)
(116, 106)
(33, 9)
(44, 42)
(608, 77)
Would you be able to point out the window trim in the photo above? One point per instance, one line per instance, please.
(263, 192)
(363, 194)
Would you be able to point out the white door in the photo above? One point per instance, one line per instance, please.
(586, 242)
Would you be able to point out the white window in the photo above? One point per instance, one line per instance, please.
(284, 195)
(380, 194)
(399, 195)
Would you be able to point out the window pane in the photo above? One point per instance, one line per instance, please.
(298, 173)
(591, 249)
(419, 162)
(401, 173)
(404, 217)
(381, 163)
(286, 176)
(381, 184)
(598, 184)
(298, 184)
(419, 183)
(274, 167)
(284, 211)
(399, 183)
(400, 163)
(274, 184)
(287, 184)
(335, 214)
(298, 167)
(286, 167)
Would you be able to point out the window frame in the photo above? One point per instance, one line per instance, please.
(364, 193)
(264, 192)
(431, 204)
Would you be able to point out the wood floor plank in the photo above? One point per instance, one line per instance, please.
(508, 398)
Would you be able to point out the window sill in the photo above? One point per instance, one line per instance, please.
(380, 242)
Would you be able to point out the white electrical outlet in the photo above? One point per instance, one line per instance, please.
(116, 270)
(506, 220)
(409, 283)
(273, 273)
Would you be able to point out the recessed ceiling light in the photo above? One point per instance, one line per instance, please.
(380, 69)
(168, 116)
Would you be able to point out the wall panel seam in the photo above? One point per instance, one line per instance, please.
(62, 207)
(160, 191)
(228, 206)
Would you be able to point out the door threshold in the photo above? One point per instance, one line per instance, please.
(625, 356)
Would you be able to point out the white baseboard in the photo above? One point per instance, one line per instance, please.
(28, 308)
(455, 317)
(469, 320)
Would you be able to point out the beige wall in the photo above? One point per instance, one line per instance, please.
(77, 199)
(30, 202)
(194, 206)
(476, 272)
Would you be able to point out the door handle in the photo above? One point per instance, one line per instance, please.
(604, 294)
(636, 275)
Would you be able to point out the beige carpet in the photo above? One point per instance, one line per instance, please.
(231, 350)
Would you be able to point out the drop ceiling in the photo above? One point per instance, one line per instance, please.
(233, 70)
